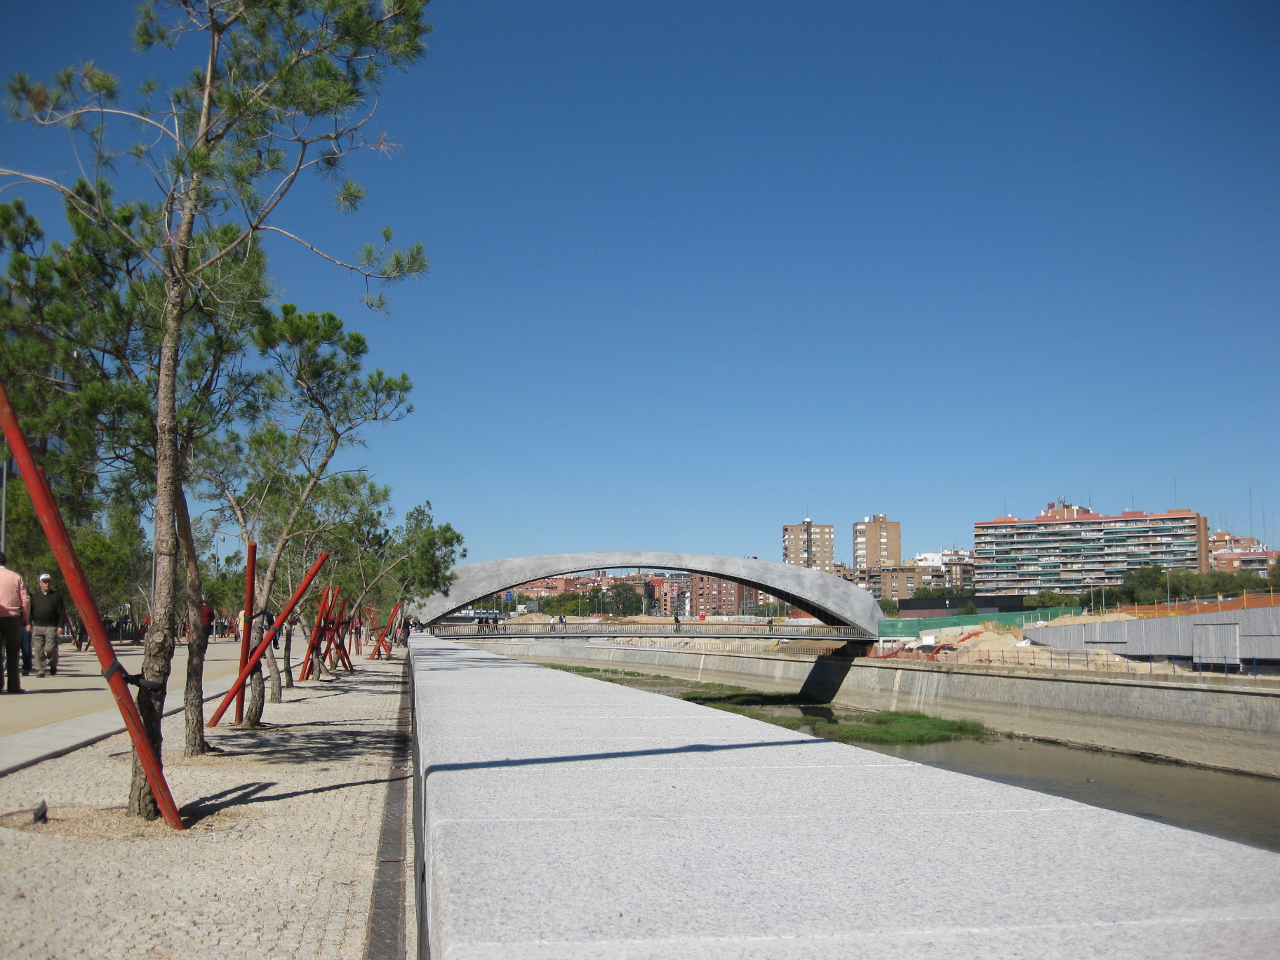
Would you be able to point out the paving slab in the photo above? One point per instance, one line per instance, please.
(78, 688)
(30, 746)
(556, 826)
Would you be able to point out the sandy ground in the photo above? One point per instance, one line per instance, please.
(278, 859)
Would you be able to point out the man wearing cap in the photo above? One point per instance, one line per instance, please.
(47, 614)
(15, 613)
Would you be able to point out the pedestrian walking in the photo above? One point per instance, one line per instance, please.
(26, 650)
(15, 613)
(47, 613)
(206, 619)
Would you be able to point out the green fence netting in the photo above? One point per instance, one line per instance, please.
(908, 627)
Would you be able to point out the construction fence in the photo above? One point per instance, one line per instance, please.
(908, 627)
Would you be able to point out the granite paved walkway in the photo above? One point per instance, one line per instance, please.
(572, 819)
(279, 859)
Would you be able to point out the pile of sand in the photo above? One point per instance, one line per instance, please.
(1085, 618)
(1000, 648)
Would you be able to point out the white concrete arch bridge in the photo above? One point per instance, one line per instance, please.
(831, 600)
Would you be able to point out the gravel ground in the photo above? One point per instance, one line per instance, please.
(278, 860)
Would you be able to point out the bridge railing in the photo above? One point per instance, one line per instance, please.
(692, 629)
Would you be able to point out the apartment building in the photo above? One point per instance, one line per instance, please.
(1231, 554)
(673, 595)
(1067, 548)
(1222, 540)
(957, 567)
(1237, 561)
(711, 596)
(877, 542)
(810, 544)
(902, 582)
(548, 586)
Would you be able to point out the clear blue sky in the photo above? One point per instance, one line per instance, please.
(702, 269)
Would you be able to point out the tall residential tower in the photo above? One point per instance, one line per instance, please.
(877, 542)
(810, 545)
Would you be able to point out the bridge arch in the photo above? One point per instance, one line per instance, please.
(830, 599)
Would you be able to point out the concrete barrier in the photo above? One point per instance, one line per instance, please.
(1227, 637)
(1223, 725)
(559, 818)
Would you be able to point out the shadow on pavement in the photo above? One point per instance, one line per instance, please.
(248, 793)
(618, 754)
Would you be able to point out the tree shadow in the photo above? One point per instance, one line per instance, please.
(615, 755)
(291, 745)
(248, 793)
(317, 741)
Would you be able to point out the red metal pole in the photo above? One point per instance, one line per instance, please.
(344, 631)
(335, 635)
(250, 585)
(56, 532)
(335, 610)
(320, 632)
(305, 671)
(266, 640)
(382, 637)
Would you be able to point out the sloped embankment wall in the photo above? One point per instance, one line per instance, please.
(1232, 726)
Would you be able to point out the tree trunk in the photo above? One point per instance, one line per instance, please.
(318, 667)
(267, 584)
(288, 650)
(157, 656)
(254, 702)
(194, 743)
(273, 676)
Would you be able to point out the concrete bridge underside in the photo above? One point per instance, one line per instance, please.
(832, 600)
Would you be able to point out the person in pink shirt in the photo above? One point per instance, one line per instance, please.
(15, 613)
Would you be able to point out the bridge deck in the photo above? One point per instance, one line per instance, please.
(569, 818)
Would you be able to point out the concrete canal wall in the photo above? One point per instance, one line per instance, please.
(1228, 725)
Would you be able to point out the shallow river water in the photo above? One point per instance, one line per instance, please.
(1235, 806)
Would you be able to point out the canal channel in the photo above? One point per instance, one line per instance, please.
(1234, 806)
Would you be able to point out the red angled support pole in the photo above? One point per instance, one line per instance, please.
(250, 585)
(267, 636)
(321, 611)
(317, 636)
(331, 631)
(335, 653)
(383, 644)
(56, 533)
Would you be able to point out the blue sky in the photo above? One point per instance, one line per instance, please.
(699, 270)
